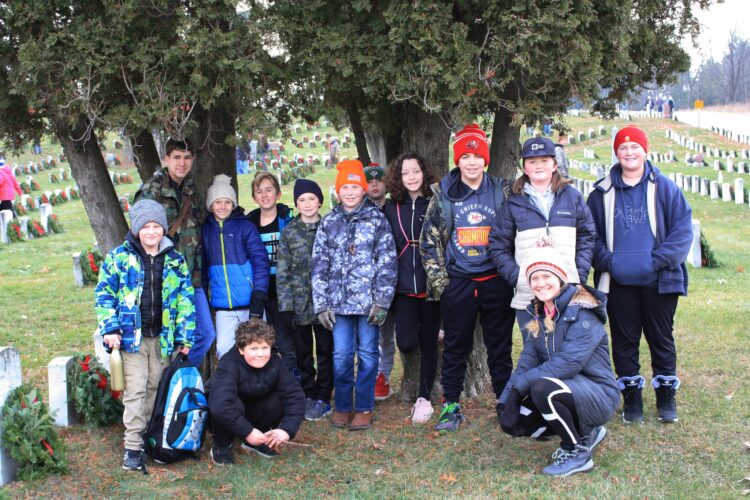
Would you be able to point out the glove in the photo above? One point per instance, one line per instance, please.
(377, 315)
(510, 413)
(327, 319)
(257, 304)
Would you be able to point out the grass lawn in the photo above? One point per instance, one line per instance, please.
(44, 315)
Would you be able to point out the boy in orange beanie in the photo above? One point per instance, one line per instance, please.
(354, 275)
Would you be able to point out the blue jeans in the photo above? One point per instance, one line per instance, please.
(352, 334)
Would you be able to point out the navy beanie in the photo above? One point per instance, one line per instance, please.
(302, 186)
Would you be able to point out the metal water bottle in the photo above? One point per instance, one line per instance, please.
(115, 370)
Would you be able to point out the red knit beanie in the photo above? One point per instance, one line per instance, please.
(471, 139)
(350, 172)
(631, 133)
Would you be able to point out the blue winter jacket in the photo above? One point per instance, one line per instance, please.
(235, 262)
(576, 352)
(520, 224)
(670, 218)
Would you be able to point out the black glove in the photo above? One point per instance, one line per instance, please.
(258, 304)
(510, 413)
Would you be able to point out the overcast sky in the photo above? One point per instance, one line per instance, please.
(716, 23)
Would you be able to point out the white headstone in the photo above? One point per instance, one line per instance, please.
(739, 191)
(45, 210)
(102, 356)
(730, 164)
(720, 178)
(726, 194)
(714, 190)
(742, 168)
(695, 184)
(60, 386)
(704, 186)
(24, 223)
(678, 180)
(717, 165)
(5, 217)
(77, 270)
(694, 256)
(672, 177)
(10, 367)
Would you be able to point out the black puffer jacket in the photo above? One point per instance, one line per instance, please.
(235, 383)
(151, 300)
(407, 228)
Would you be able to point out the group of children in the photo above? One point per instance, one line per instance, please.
(453, 251)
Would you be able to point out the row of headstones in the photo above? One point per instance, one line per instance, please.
(731, 135)
(692, 144)
(60, 401)
(32, 167)
(45, 210)
(729, 166)
(653, 156)
(714, 189)
(596, 169)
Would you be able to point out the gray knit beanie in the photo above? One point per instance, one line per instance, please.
(221, 188)
(145, 211)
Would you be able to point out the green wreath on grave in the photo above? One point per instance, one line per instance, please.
(708, 259)
(94, 401)
(35, 229)
(30, 436)
(54, 225)
(25, 188)
(20, 209)
(91, 261)
(14, 231)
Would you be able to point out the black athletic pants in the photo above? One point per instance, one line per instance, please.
(263, 413)
(285, 344)
(461, 302)
(418, 325)
(317, 384)
(633, 309)
(550, 409)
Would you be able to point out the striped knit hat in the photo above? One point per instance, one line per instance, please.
(545, 257)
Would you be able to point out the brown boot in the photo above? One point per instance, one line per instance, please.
(340, 419)
(362, 420)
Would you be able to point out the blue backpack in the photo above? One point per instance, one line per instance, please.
(178, 423)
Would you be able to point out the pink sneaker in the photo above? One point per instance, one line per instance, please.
(421, 411)
(382, 388)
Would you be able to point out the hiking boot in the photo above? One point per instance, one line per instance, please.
(317, 410)
(222, 455)
(567, 462)
(340, 419)
(421, 411)
(261, 449)
(362, 420)
(450, 418)
(632, 407)
(665, 398)
(382, 388)
(595, 437)
(132, 460)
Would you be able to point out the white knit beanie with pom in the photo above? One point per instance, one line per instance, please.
(221, 188)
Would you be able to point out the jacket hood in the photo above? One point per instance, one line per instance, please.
(582, 297)
(650, 171)
(237, 213)
(450, 184)
(365, 209)
(282, 211)
(165, 245)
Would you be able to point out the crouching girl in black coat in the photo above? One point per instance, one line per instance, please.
(563, 383)
(253, 396)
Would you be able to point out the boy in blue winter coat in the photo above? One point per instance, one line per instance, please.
(354, 279)
(645, 230)
(236, 268)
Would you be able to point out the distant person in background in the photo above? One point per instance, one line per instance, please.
(660, 104)
(563, 165)
(671, 103)
(263, 150)
(9, 187)
(644, 227)
(333, 152)
(649, 104)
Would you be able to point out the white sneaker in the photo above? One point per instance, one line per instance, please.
(421, 411)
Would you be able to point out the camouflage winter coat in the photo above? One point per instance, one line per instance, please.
(294, 270)
(118, 296)
(187, 241)
(354, 261)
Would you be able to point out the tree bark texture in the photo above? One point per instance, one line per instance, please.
(376, 146)
(145, 155)
(360, 139)
(504, 149)
(427, 135)
(96, 189)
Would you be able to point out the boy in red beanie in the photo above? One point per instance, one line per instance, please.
(453, 246)
(354, 274)
(644, 227)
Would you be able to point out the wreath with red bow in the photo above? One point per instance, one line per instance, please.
(30, 435)
(91, 261)
(54, 225)
(95, 402)
(35, 229)
(14, 231)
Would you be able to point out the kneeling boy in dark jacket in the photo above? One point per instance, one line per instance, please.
(253, 397)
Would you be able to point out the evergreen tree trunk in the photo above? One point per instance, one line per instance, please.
(505, 148)
(98, 194)
(427, 135)
(360, 139)
(145, 155)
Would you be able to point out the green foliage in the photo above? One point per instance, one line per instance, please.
(91, 263)
(708, 259)
(96, 404)
(30, 436)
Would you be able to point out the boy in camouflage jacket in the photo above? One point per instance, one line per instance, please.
(294, 291)
(354, 279)
(144, 305)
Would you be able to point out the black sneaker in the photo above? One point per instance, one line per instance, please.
(132, 460)
(665, 401)
(450, 418)
(222, 455)
(261, 449)
(632, 407)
